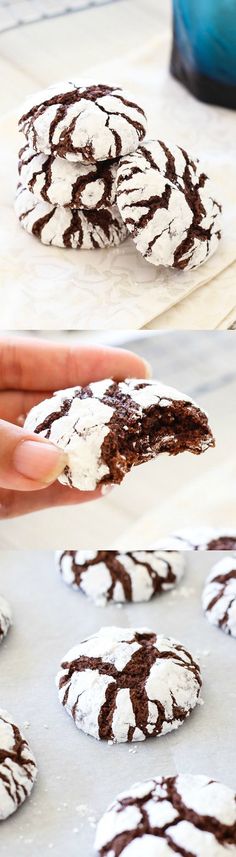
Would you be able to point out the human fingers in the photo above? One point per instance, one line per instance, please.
(30, 364)
(27, 462)
(16, 503)
(15, 405)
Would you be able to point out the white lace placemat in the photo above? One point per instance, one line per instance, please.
(51, 288)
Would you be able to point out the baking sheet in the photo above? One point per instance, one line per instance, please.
(52, 288)
(79, 776)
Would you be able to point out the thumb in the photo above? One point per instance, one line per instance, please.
(27, 462)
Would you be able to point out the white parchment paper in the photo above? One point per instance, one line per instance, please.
(79, 776)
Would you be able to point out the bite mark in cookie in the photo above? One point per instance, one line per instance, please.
(108, 427)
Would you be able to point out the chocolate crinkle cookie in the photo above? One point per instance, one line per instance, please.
(219, 595)
(126, 684)
(60, 182)
(81, 122)
(169, 205)
(183, 815)
(199, 539)
(18, 769)
(72, 228)
(113, 576)
(108, 427)
(5, 617)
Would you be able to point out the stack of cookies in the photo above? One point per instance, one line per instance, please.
(88, 180)
(75, 136)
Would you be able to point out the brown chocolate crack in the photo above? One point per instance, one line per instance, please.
(187, 186)
(226, 543)
(133, 677)
(138, 434)
(113, 562)
(104, 174)
(63, 101)
(17, 756)
(223, 579)
(224, 834)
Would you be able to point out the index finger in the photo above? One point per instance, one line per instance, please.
(30, 364)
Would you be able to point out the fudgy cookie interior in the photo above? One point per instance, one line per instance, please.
(172, 429)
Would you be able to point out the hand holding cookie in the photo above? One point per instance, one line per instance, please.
(29, 463)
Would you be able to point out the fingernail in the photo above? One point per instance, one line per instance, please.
(41, 462)
(148, 369)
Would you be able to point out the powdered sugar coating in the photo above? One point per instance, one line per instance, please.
(80, 420)
(168, 205)
(219, 595)
(18, 769)
(81, 122)
(69, 227)
(113, 576)
(61, 182)
(199, 539)
(126, 684)
(188, 815)
(5, 617)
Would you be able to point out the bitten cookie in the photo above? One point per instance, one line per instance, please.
(126, 684)
(82, 122)
(59, 182)
(113, 576)
(169, 206)
(5, 618)
(18, 769)
(108, 427)
(182, 815)
(199, 539)
(69, 227)
(219, 595)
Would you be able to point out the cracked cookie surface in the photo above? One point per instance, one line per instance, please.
(80, 122)
(114, 576)
(108, 427)
(168, 204)
(184, 815)
(219, 595)
(199, 539)
(126, 684)
(5, 617)
(71, 228)
(18, 769)
(60, 182)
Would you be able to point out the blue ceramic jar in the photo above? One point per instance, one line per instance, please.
(204, 48)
